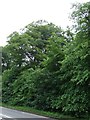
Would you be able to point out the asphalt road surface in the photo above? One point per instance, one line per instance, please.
(9, 114)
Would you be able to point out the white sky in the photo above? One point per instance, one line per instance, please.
(16, 14)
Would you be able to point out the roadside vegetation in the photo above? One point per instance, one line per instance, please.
(48, 114)
(47, 68)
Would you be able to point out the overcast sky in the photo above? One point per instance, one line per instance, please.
(16, 14)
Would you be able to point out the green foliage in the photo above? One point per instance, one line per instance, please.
(24, 88)
(8, 77)
(48, 68)
(0, 60)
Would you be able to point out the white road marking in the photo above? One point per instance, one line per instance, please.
(5, 116)
(33, 114)
(23, 113)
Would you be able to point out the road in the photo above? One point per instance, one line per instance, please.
(9, 114)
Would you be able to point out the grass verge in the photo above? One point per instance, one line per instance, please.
(52, 115)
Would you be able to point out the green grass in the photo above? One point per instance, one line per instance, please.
(43, 113)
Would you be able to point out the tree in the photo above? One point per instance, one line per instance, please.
(0, 60)
(81, 17)
(49, 68)
(28, 49)
(75, 66)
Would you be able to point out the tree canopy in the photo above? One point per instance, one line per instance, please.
(48, 68)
